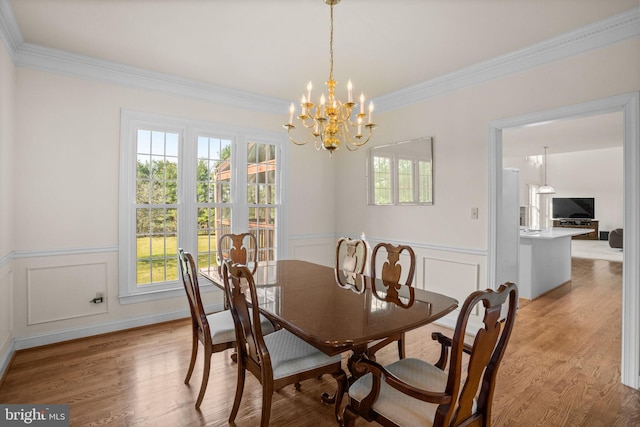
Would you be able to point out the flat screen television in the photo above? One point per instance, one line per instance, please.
(573, 207)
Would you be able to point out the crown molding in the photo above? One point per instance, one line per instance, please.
(600, 34)
(66, 63)
(603, 33)
(9, 31)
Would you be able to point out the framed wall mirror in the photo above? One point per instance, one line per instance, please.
(401, 173)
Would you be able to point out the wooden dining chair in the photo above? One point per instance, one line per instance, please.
(277, 359)
(395, 270)
(351, 255)
(412, 392)
(240, 248)
(215, 331)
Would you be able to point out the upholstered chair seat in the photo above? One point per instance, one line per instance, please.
(223, 330)
(290, 355)
(401, 408)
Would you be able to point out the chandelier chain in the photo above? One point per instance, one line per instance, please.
(331, 46)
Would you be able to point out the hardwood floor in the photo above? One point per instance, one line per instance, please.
(562, 368)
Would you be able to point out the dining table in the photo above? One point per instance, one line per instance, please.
(338, 311)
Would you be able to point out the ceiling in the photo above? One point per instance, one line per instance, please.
(564, 136)
(274, 47)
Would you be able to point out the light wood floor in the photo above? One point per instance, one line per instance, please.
(562, 368)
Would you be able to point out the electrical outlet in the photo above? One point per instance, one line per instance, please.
(474, 213)
(99, 298)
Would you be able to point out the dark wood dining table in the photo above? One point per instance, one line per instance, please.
(337, 311)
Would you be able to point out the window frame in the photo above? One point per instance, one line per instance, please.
(188, 131)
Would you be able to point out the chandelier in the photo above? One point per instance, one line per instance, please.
(330, 123)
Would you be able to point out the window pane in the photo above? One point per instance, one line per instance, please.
(213, 186)
(143, 142)
(424, 182)
(156, 245)
(213, 168)
(156, 224)
(143, 191)
(212, 223)
(382, 180)
(262, 190)
(405, 181)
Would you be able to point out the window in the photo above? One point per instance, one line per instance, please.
(402, 173)
(534, 207)
(156, 206)
(184, 184)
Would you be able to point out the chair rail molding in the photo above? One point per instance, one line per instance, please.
(629, 105)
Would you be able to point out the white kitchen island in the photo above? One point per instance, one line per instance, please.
(545, 260)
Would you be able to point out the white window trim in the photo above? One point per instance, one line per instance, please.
(129, 292)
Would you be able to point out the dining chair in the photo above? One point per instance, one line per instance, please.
(240, 248)
(215, 331)
(351, 255)
(278, 359)
(395, 270)
(412, 392)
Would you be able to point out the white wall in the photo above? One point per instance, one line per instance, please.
(66, 196)
(458, 121)
(594, 173)
(7, 107)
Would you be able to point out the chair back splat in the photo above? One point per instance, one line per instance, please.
(392, 269)
(351, 255)
(414, 392)
(392, 273)
(240, 248)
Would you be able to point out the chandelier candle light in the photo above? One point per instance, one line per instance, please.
(330, 123)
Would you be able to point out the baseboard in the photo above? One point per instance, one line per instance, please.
(5, 361)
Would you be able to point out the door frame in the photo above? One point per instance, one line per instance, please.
(629, 105)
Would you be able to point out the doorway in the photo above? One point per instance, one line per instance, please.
(629, 105)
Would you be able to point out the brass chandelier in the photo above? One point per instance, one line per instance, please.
(330, 123)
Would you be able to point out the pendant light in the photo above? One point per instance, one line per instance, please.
(546, 189)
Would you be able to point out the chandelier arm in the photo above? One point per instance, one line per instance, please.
(355, 124)
(320, 143)
(354, 145)
(298, 143)
(357, 145)
(345, 112)
(307, 124)
(347, 138)
(310, 137)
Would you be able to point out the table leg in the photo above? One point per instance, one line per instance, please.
(356, 371)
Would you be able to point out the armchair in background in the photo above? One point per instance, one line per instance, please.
(615, 238)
